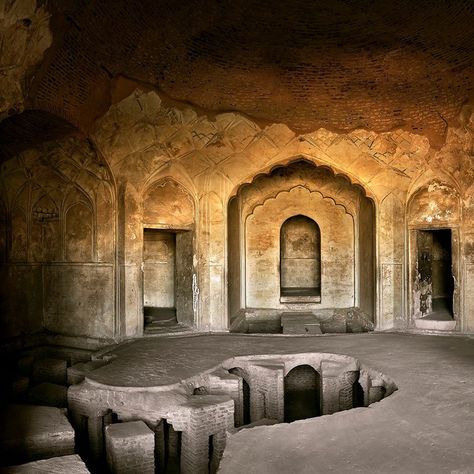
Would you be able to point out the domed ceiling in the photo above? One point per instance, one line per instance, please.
(338, 64)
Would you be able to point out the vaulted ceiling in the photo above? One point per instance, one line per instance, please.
(339, 64)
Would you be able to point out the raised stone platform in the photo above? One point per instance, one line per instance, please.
(300, 323)
(363, 435)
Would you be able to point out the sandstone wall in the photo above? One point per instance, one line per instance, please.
(73, 214)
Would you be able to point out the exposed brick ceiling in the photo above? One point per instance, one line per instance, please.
(338, 64)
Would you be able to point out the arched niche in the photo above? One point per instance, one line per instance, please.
(434, 205)
(263, 257)
(300, 257)
(168, 218)
(167, 203)
(345, 217)
(79, 233)
(45, 243)
(242, 413)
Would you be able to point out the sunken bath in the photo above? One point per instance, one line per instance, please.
(186, 424)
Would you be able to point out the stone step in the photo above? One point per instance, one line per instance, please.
(300, 323)
(435, 325)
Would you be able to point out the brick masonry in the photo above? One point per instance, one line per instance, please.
(186, 424)
(130, 448)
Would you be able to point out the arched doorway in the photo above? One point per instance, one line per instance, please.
(300, 257)
(245, 398)
(302, 387)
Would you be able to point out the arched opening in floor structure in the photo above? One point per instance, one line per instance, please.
(302, 387)
(242, 414)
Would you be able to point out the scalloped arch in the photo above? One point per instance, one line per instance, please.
(288, 191)
(268, 170)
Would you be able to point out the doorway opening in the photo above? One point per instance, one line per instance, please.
(244, 417)
(302, 393)
(167, 279)
(434, 279)
(159, 269)
(300, 258)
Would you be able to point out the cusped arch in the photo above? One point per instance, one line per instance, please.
(277, 194)
(285, 162)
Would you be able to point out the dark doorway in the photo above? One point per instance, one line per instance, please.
(167, 448)
(435, 283)
(167, 279)
(245, 396)
(302, 393)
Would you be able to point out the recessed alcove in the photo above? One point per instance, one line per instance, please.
(300, 260)
(301, 239)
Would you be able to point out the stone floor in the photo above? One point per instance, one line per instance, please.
(427, 426)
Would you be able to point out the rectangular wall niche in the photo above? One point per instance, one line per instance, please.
(167, 278)
(159, 253)
(300, 264)
(434, 283)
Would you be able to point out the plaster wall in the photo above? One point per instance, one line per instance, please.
(300, 253)
(159, 249)
(84, 203)
(263, 248)
(59, 242)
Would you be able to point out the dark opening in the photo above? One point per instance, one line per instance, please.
(300, 257)
(436, 283)
(357, 395)
(159, 268)
(172, 449)
(211, 453)
(167, 448)
(302, 393)
(245, 396)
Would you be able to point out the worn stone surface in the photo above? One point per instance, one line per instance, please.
(71, 464)
(34, 432)
(424, 389)
(130, 448)
(153, 165)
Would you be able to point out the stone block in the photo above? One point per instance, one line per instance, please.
(25, 364)
(34, 432)
(49, 394)
(71, 464)
(50, 370)
(130, 448)
(300, 323)
(19, 386)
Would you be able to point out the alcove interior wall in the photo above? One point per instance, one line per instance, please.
(169, 249)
